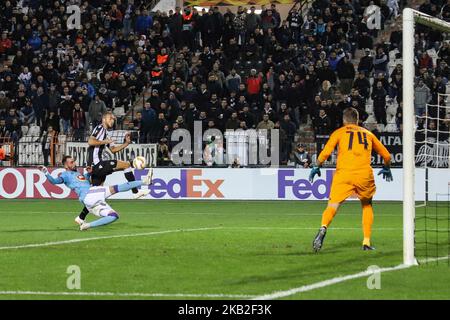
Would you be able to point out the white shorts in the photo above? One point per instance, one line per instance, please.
(95, 201)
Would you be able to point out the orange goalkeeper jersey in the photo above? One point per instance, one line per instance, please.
(355, 146)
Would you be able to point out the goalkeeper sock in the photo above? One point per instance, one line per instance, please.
(127, 186)
(367, 222)
(129, 175)
(83, 213)
(328, 216)
(104, 220)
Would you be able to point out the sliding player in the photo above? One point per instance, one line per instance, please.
(353, 173)
(94, 197)
(101, 168)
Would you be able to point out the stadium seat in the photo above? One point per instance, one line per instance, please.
(24, 130)
(34, 131)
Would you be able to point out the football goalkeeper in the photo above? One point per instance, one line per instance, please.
(353, 173)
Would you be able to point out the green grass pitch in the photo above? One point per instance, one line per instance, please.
(239, 249)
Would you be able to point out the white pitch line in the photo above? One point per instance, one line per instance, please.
(134, 294)
(304, 228)
(332, 281)
(54, 243)
(271, 296)
(322, 284)
(426, 260)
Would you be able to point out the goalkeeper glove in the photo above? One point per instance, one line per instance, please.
(387, 174)
(315, 170)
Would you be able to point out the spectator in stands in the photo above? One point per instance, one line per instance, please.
(25, 77)
(160, 124)
(137, 121)
(346, 74)
(232, 81)
(163, 158)
(326, 91)
(5, 45)
(254, 84)
(362, 84)
(289, 127)
(268, 21)
(295, 21)
(322, 125)
(334, 59)
(396, 84)
(35, 41)
(380, 62)
(12, 115)
(265, 123)
(148, 123)
(302, 158)
(40, 104)
(13, 124)
(233, 123)
(437, 88)
(48, 140)
(53, 121)
(27, 115)
(159, 52)
(326, 73)
(96, 109)
(422, 96)
(5, 104)
(143, 22)
(239, 25)
(379, 102)
(65, 113)
(84, 100)
(425, 60)
(366, 62)
(78, 122)
(54, 98)
(247, 117)
(4, 132)
(252, 20)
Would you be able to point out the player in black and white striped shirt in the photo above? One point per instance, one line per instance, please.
(101, 168)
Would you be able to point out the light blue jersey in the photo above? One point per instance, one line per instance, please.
(74, 181)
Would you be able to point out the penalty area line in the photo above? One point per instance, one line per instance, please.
(133, 294)
(336, 280)
(55, 243)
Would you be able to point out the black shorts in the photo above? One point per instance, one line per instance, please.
(101, 170)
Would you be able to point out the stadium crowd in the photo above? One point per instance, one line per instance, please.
(233, 70)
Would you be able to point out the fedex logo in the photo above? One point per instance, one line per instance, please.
(303, 189)
(189, 185)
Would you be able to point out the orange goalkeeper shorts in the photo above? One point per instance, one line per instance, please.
(345, 184)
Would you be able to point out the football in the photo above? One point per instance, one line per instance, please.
(139, 162)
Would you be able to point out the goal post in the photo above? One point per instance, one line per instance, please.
(410, 18)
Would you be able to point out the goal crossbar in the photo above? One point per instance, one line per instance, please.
(410, 18)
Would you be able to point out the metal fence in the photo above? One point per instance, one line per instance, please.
(48, 150)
